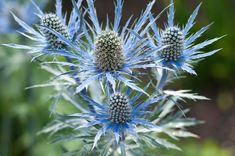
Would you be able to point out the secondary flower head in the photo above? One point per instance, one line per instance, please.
(181, 50)
(119, 116)
(119, 108)
(53, 22)
(110, 52)
(44, 36)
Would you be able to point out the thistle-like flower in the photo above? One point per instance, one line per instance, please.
(110, 53)
(53, 22)
(118, 116)
(7, 24)
(45, 40)
(181, 50)
(126, 120)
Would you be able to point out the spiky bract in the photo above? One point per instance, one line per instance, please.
(181, 51)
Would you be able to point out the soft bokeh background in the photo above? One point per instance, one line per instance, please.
(24, 112)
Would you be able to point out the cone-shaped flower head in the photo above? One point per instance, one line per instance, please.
(52, 33)
(119, 108)
(180, 51)
(173, 38)
(109, 51)
(53, 22)
(119, 114)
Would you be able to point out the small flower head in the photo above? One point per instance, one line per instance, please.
(54, 30)
(109, 51)
(119, 108)
(53, 22)
(180, 51)
(173, 38)
(119, 115)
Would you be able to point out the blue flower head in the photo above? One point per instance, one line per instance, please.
(110, 52)
(44, 39)
(181, 50)
(119, 115)
(125, 119)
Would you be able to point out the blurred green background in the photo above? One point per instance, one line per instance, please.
(24, 112)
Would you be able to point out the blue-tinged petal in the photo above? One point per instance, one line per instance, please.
(93, 15)
(98, 135)
(142, 66)
(130, 84)
(88, 37)
(76, 20)
(171, 14)
(150, 101)
(144, 123)
(111, 80)
(201, 45)
(74, 102)
(83, 115)
(154, 25)
(58, 7)
(88, 99)
(61, 52)
(87, 82)
(18, 46)
(131, 130)
(124, 29)
(117, 129)
(199, 56)
(118, 15)
(144, 17)
(152, 40)
(38, 9)
(149, 53)
(188, 69)
(191, 19)
(117, 136)
(192, 38)
(25, 26)
(81, 53)
(155, 29)
(137, 96)
(38, 39)
(162, 81)
(61, 63)
(89, 124)
(107, 28)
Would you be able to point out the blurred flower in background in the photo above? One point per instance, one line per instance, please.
(23, 9)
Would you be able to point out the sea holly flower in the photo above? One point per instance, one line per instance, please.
(182, 50)
(46, 41)
(126, 120)
(110, 52)
(118, 116)
(21, 9)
